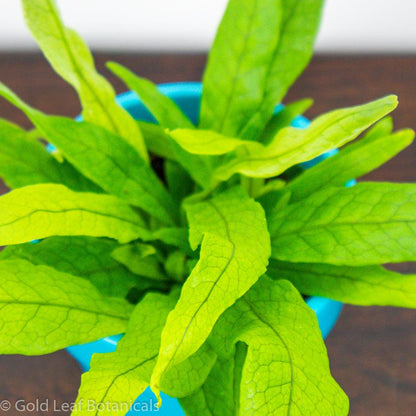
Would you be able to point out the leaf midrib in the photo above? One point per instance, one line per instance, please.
(64, 211)
(77, 70)
(293, 150)
(326, 226)
(290, 360)
(123, 374)
(221, 274)
(348, 278)
(239, 63)
(63, 306)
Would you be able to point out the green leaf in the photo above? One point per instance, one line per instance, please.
(179, 181)
(382, 128)
(284, 118)
(85, 257)
(24, 161)
(206, 142)
(188, 376)
(299, 25)
(162, 145)
(216, 396)
(367, 285)
(121, 376)
(157, 140)
(235, 242)
(370, 223)
(350, 163)
(105, 159)
(238, 65)
(112, 164)
(176, 265)
(165, 111)
(72, 60)
(292, 145)
(43, 310)
(286, 369)
(140, 259)
(174, 236)
(44, 210)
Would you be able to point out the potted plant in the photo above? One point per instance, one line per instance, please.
(201, 264)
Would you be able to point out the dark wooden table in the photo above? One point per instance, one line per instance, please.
(372, 350)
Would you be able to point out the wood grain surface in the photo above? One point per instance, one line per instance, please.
(372, 350)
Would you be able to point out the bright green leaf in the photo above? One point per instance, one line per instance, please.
(165, 111)
(286, 369)
(216, 396)
(292, 145)
(72, 60)
(238, 65)
(188, 376)
(206, 142)
(121, 376)
(235, 242)
(24, 161)
(43, 310)
(161, 144)
(111, 164)
(382, 128)
(350, 163)
(370, 223)
(298, 28)
(105, 159)
(86, 257)
(40, 211)
(367, 285)
(157, 140)
(283, 119)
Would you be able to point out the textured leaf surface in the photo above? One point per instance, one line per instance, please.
(292, 145)
(234, 254)
(366, 285)
(298, 28)
(238, 65)
(206, 142)
(121, 376)
(165, 111)
(25, 161)
(45, 210)
(286, 370)
(43, 310)
(85, 257)
(104, 158)
(370, 223)
(188, 376)
(350, 163)
(216, 396)
(110, 163)
(72, 60)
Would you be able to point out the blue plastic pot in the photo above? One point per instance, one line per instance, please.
(187, 96)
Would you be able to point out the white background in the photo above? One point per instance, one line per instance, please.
(189, 25)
